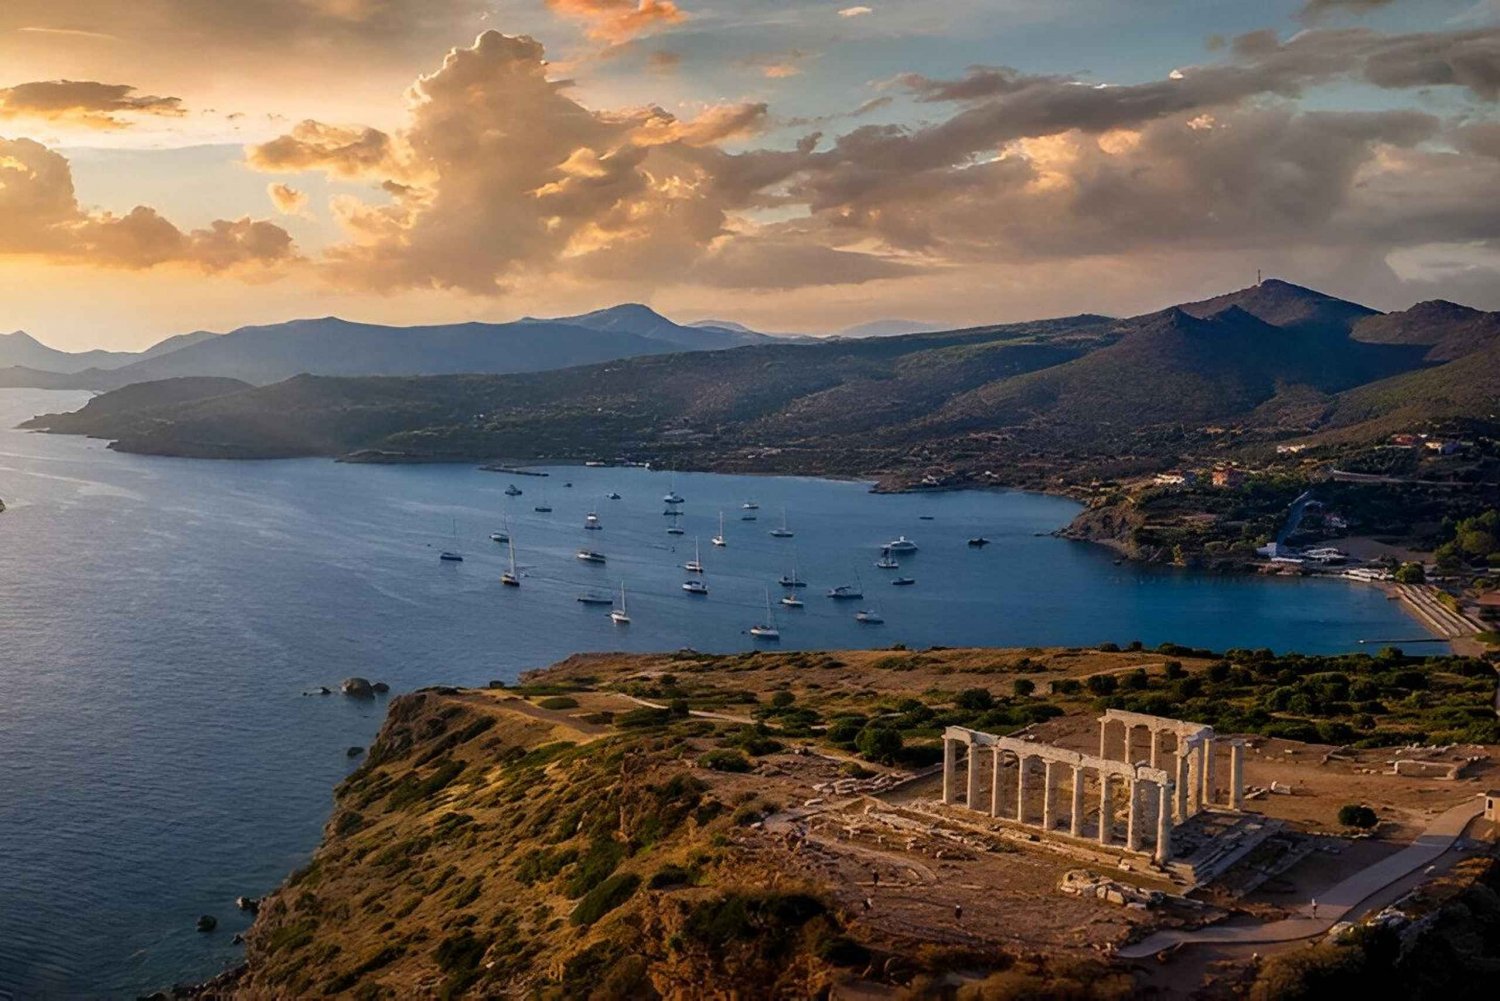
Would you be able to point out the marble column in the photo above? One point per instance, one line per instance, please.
(1075, 819)
(1106, 808)
(1049, 797)
(1210, 766)
(995, 782)
(1195, 779)
(1181, 780)
(1237, 774)
(1163, 823)
(1155, 747)
(950, 754)
(971, 767)
(1103, 737)
(1129, 752)
(1132, 817)
(1021, 763)
(1205, 766)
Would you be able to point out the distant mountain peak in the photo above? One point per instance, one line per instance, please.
(1283, 304)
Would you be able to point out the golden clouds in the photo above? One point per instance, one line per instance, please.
(620, 20)
(82, 102)
(287, 199)
(499, 174)
(343, 151)
(43, 219)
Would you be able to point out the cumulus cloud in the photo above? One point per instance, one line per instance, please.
(500, 175)
(43, 218)
(83, 102)
(618, 21)
(344, 151)
(287, 199)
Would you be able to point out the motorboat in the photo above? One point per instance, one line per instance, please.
(846, 592)
(590, 556)
(750, 505)
(901, 545)
(886, 561)
(595, 598)
(868, 616)
(447, 556)
(612, 496)
(500, 537)
(695, 587)
(791, 601)
(979, 542)
(903, 581)
(591, 522)
(512, 491)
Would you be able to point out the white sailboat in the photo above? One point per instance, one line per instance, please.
(719, 539)
(591, 522)
(694, 565)
(695, 587)
(783, 532)
(767, 630)
(791, 600)
(618, 615)
(503, 536)
(887, 561)
(868, 617)
(510, 578)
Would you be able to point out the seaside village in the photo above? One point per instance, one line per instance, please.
(1109, 834)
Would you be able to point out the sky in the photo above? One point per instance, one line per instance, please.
(173, 165)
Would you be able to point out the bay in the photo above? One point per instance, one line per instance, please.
(160, 620)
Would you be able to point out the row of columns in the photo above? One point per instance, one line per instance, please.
(1193, 765)
(1142, 796)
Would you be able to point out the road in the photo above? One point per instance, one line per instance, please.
(1333, 904)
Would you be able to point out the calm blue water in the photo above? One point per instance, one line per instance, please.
(160, 618)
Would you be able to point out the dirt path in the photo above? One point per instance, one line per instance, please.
(1335, 903)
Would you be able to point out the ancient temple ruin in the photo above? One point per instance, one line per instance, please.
(1165, 778)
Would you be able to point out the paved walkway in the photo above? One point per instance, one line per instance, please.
(1333, 904)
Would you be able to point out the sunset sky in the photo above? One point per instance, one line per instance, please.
(169, 165)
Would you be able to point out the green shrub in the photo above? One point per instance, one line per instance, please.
(725, 759)
(879, 743)
(559, 702)
(604, 898)
(1357, 815)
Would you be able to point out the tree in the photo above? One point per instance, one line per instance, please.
(1102, 684)
(975, 699)
(1023, 686)
(1411, 573)
(782, 699)
(879, 743)
(1356, 815)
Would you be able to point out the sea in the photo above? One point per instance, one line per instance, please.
(163, 621)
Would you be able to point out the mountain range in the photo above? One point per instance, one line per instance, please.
(333, 346)
(1080, 397)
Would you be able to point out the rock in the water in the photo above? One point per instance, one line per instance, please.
(381, 687)
(357, 687)
(207, 922)
(247, 904)
(355, 751)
